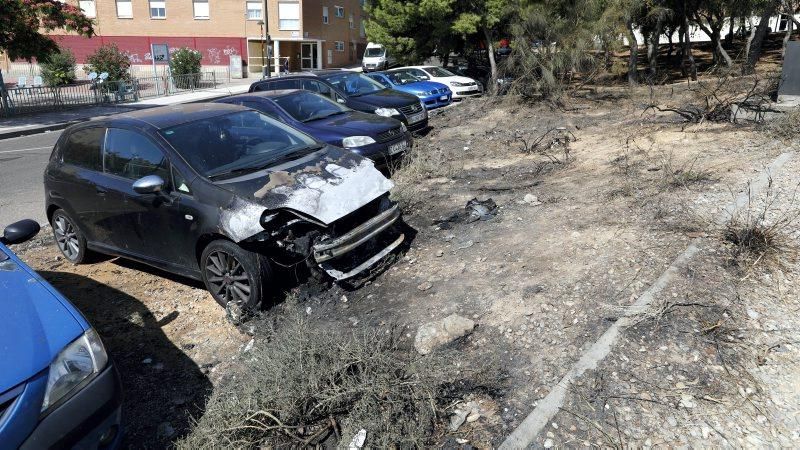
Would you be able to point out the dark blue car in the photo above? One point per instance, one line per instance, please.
(378, 138)
(58, 388)
(432, 94)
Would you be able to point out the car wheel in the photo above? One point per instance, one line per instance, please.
(69, 238)
(235, 277)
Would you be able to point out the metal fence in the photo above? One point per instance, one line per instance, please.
(27, 99)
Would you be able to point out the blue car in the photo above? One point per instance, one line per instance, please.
(432, 94)
(378, 138)
(58, 388)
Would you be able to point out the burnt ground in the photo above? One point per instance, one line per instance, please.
(542, 279)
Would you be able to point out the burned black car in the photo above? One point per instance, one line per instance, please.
(219, 193)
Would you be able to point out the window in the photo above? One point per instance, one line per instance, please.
(289, 16)
(83, 149)
(330, 56)
(339, 46)
(130, 155)
(254, 10)
(158, 9)
(305, 106)
(200, 9)
(325, 14)
(352, 22)
(179, 181)
(316, 86)
(124, 9)
(339, 11)
(88, 8)
(362, 31)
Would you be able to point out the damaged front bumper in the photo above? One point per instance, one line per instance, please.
(327, 252)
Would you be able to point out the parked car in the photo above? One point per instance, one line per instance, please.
(376, 58)
(58, 387)
(432, 94)
(484, 76)
(461, 86)
(356, 91)
(378, 138)
(218, 193)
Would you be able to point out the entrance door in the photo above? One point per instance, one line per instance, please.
(308, 55)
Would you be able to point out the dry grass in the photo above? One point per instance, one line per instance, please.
(423, 162)
(786, 128)
(304, 385)
(758, 233)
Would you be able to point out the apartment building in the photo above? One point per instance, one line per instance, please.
(304, 34)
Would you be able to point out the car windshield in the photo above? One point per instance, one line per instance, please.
(439, 72)
(354, 84)
(307, 106)
(373, 52)
(402, 77)
(238, 142)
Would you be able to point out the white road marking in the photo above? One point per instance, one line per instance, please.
(27, 149)
(537, 420)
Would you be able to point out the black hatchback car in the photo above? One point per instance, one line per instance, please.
(219, 193)
(355, 90)
(380, 139)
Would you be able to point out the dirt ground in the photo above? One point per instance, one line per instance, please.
(582, 229)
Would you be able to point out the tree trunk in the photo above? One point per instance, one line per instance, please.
(714, 31)
(687, 52)
(757, 43)
(652, 50)
(749, 37)
(720, 50)
(671, 46)
(786, 37)
(633, 45)
(492, 62)
(729, 37)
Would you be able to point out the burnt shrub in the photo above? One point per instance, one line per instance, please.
(303, 384)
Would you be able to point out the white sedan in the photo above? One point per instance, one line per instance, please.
(461, 86)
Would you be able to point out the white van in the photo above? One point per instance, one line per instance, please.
(376, 58)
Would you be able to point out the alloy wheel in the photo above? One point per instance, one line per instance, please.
(67, 238)
(227, 278)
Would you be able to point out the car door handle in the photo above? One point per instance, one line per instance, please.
(100, 190)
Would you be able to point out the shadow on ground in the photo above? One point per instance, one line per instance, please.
(162, 386)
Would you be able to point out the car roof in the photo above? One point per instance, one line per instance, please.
(170, 116)
(267, 94)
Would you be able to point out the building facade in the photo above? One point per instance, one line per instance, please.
(304, 34)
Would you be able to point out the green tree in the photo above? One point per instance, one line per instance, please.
(111, 60)
(481, 17)
(59, 68)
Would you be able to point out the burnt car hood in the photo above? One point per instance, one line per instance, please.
(354, 123)
(324, 185)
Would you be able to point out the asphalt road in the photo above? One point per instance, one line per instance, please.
(22, 163)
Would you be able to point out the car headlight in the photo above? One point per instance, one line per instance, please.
(81, 360)
(457, 84)
(387, 112)
(357, 141)
(403, 127)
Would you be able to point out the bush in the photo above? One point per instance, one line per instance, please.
(59, 68)
(304, 384)
(110, 59)
(184, 64)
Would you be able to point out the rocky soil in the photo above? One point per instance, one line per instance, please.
(585, 222)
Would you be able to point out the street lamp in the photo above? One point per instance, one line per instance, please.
(264, 69)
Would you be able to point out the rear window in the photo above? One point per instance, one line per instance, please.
(83, 148)
(276, 85)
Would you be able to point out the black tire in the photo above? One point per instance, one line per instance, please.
(229, 271)
(69, 238)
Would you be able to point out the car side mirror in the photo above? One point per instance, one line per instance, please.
(151, 184)
(19, 232)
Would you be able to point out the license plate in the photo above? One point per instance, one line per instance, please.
(414, 118)
(398, 147)
(443, 98)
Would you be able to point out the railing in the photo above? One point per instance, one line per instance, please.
(26, 100)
